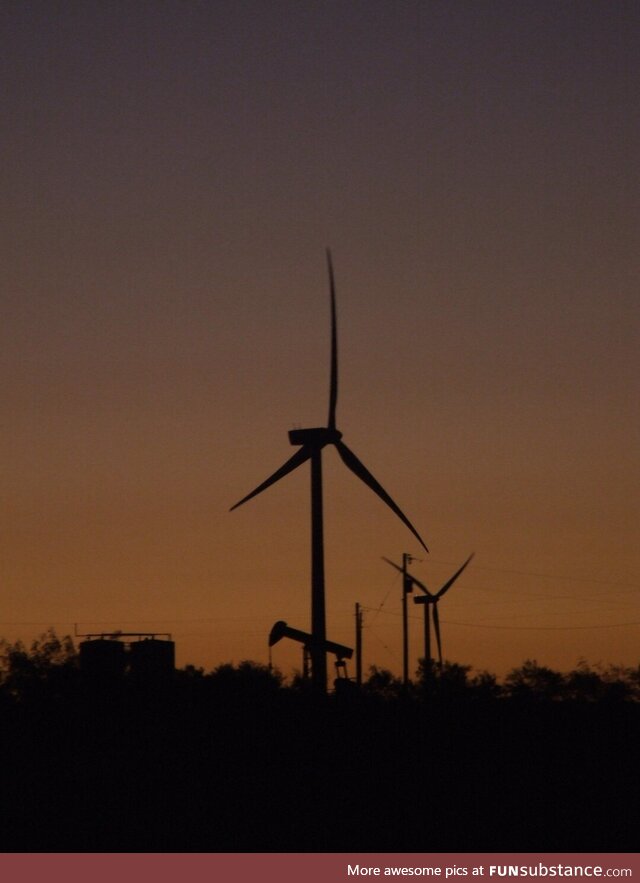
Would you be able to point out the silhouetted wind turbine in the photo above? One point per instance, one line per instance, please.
(312, 441)
(430, 599)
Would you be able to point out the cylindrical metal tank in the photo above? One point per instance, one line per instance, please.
(102, 658)
(152, 658)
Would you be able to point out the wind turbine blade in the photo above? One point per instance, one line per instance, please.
(392, 563)
(412, 578)
(297, 460)
(333, 388)
(421, 586)
(364, 475)
(455, 576)
(436, 627)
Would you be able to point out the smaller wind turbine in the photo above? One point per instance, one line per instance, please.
(430, 600)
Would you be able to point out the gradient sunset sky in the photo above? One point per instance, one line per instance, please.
(171, 175)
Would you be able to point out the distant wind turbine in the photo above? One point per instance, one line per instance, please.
(312, 441)
(430, 600)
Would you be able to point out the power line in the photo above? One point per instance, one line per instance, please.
(477, 625)
(577, 579)
(543, 628)
(198, 619)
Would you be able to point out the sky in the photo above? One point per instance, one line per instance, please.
(172, 173)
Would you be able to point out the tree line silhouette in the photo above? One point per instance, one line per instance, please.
(51, 664)
(239, 759)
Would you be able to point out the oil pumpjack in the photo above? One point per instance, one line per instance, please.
(282, 630)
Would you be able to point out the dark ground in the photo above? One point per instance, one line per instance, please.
(191, 771)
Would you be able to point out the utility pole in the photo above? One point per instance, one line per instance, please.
(407, 586)
(358, 645)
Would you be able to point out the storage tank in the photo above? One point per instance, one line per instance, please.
(152, 658)
(102, 658)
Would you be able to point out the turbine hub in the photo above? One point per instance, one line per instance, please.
(316, 437)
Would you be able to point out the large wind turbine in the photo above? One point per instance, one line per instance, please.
(430, 600)
(311, 442)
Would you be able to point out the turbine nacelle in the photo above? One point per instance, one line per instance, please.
(317, 437)
(424, 599)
